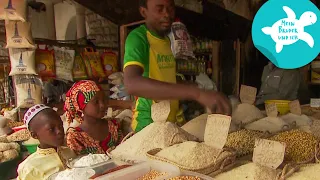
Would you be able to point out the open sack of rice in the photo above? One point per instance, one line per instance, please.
(246, 113)
(195, 156)
(249, 171)
(269, 124)
(19, 35)
(197, 126)
(13, 10)
(159, 134)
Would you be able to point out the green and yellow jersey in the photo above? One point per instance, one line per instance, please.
(143, 48)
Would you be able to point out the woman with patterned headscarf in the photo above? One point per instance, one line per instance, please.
(86, 103)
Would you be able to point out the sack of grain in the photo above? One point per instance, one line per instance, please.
(79, 68)
(300, 146)
(246, 113)
(194, 156)
(155, 135)
(181, 44)
(64, 60)
(22, 61)
(13, 10)
(197, 126)
(249, 171)
(270, 124)
(243, 141)
(19, 35)
(28, 90)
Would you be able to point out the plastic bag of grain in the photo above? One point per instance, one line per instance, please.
(19, 35)
(13, 10)
(28, 90)
(155, 135)
(181, 44)
(270, 124)
(93, 63)
(79, 68)
(45, 63)
(246, 113)
(22, 61)
(64, 63)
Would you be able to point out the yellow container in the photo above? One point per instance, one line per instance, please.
(282, 105)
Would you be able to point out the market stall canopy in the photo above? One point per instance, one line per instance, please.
(216, 22)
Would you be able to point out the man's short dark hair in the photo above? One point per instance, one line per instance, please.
(143, 3)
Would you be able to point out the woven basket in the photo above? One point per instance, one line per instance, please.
(218, 167)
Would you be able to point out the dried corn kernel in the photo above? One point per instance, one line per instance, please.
(300, 145)
(243, 141)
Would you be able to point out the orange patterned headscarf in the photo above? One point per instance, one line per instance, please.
(78, 96)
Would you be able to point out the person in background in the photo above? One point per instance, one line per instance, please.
(54, 91)
(150, 68)
(45, 125)
(86, 103)
(278, 84)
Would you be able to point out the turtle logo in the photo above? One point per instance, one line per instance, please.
(289, 36)
(293, 27)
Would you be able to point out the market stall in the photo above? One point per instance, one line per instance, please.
(280, 142)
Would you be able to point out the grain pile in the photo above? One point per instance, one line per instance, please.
(270, 124)
(193, 155)
(77, 173)
(303, 122)
(243, 141)
(21, 135)
(300, 146)
(307, 172)
(246, 113)
(12, 124)
(90, 160)
(156, 135)
(152, 175)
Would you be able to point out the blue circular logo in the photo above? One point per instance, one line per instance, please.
(287, 32)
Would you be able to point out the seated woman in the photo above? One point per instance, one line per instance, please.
(86, 103)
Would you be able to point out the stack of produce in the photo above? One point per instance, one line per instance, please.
(300, 145)
(243, 141)
(22, 135)
(8, 151)
(194, 156)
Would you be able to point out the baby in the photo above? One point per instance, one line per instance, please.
(45, 125)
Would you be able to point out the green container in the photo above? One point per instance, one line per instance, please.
(32, 148)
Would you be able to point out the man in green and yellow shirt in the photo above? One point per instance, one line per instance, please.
(150, 67)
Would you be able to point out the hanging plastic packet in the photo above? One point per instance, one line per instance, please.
(181, 44)
(117, 88)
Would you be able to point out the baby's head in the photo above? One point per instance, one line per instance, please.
(45, 125)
